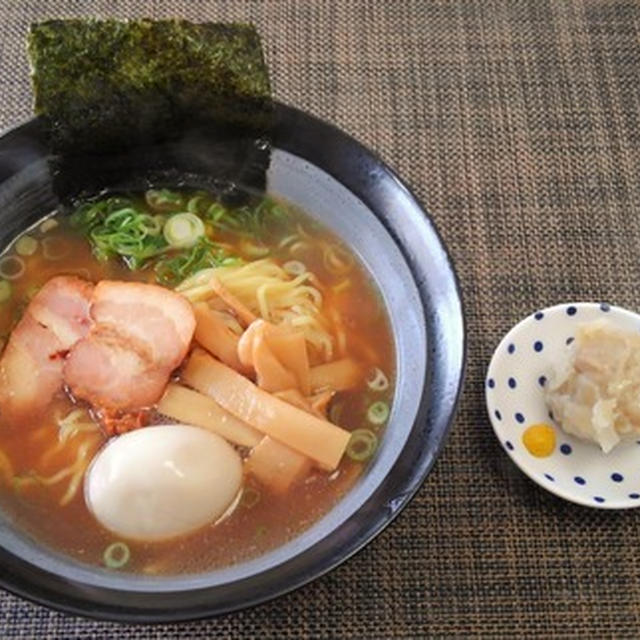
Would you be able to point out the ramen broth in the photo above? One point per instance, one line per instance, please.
(261, 520)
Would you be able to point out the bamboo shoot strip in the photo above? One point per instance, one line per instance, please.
(318, 439)
(191, 407)
(291, 350)
(338, 375)
(244, 314)
(276, 466)
(215, 336)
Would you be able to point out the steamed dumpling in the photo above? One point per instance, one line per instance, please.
(595, 393)
(163, 481)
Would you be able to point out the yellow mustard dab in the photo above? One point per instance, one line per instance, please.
(539, 439)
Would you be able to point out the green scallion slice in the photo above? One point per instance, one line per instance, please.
(26, 246)
(362, 445)
(55, 248)
(183, 230)
(197, 205)
(250, 497)
(163, 200)
(378, 413)
(378, 381)
(12, 267)
(116, 555)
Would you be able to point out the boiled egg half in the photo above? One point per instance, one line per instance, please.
(162, 481)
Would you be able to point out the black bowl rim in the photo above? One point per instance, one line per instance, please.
(377, 186)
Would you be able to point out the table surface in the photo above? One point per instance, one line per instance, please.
(516, 123)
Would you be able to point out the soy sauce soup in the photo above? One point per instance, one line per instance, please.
(43, 460)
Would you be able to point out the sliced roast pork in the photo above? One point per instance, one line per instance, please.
(32, 363)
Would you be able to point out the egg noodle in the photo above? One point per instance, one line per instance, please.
(271, 293)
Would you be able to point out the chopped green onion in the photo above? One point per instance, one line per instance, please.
(215, 212)
(294, 267)
(377, 381)
(5, 290)
(160, 219)
(116, 555)
(163, 200)
(183, 230)
(26, 246)
(197, 205)
(259, 222)
(362, 445)
(12, 267)
(250, 497)
(116, 228)
(47, 225)
(55, 248)
(152, 224)
(205, 254)
(254, 250)
(378, 412)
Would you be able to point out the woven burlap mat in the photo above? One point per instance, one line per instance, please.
(516, 123)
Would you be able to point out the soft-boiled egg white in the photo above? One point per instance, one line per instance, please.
(162, 481)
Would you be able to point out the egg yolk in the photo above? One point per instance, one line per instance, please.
(540, 440)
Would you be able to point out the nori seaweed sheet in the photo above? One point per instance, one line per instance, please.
(104, 85)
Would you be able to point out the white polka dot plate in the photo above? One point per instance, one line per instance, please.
(576, 470)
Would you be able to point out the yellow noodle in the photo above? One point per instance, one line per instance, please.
(273, 294)
(74, 423)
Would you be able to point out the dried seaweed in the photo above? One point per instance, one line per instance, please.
(105, 85)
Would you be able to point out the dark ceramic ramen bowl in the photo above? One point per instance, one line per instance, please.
(336, 180)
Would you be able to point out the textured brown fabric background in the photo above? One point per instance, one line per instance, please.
(517, 125)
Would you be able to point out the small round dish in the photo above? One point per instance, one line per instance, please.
(576, 470)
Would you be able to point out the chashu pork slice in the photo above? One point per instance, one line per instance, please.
(113, 371)
(141, 333)
(157, 316)
(31, 367)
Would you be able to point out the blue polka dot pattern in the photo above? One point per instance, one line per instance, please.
(565, 448)
(571, 311)
(617, 477)
(497, 414)
(634, 496)
(512, 383)
(548, 476)
(539, 315)
(508, 445)
(519, 417)
(542, 380)
(491, 383)
(569, 340)
(599, 499)
(538, 346)
(511, 348)
(605, 307)
(580, 480)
